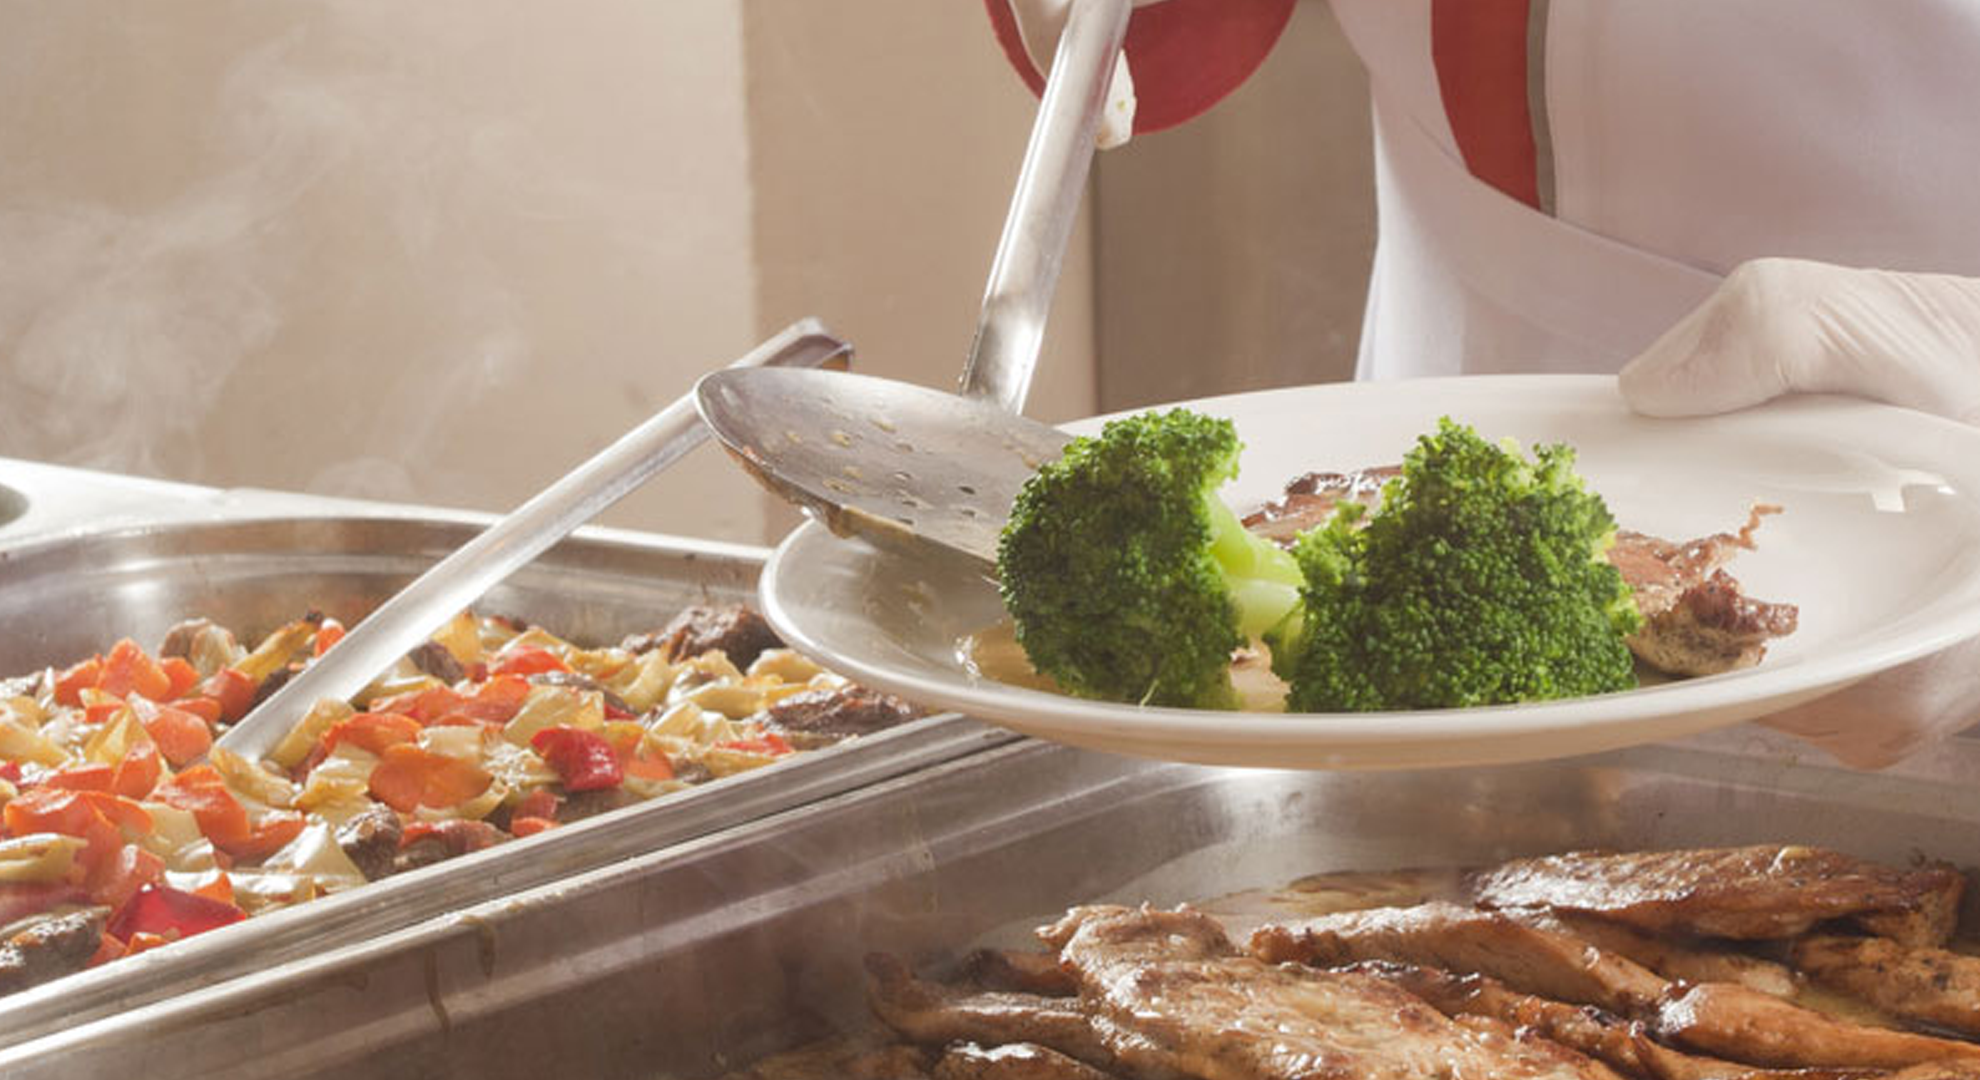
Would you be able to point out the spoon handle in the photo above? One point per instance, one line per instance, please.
(1025, 272)
(460, 579)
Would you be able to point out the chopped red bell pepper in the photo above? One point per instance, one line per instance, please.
(10, 771)
(584, 760)
(171, 914)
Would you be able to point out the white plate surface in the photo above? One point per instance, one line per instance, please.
(1879, 545)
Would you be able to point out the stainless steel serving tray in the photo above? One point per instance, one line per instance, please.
(687, 961)
(69, 590)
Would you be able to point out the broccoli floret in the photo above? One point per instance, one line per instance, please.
(1480, 580)
(1127, 578)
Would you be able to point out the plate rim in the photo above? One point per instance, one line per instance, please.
(1714, 701)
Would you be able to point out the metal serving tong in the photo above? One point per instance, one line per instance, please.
(421, 608)
(907, 466)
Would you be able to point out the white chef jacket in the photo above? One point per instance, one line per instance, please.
(1669, 141)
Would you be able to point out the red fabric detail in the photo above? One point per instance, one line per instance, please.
(1186, 55)
(1479, 48)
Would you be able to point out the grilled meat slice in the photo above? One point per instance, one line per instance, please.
(1011, 969)
(1661, 571)
(1668, 957)
(1183, 999)
(1746, 1025)
(1713, 627)
(937, 1015)
(812, 718)
(43, 948)
(1749, 893)
(740, 633)
(1550, 963)
(1624, 1045)
(1923, 984)
(1017, 1061)
(436, 660)
(370, 839)
(1310, 500)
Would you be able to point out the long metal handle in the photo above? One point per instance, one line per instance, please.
(460, 579)
(1025, 272)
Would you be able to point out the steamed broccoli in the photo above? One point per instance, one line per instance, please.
(1480, 580)
(1128, 578)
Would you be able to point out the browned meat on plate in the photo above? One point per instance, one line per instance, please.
(1746, 1025)
(1310, 500)
(1712, 628)
(1550, 963)
(43, 948)
(1668, 957)
(740, 633)
(1017, 1061)
(1183, 999)
(1762, 892)
(1926, 984)
(937, 1015)
(1660, 571)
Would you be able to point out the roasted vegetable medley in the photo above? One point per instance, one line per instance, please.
(126, 828)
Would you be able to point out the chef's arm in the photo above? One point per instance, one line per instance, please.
(1181, 56)
(1777, 326)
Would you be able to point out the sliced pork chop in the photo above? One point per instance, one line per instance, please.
(938, 1015)
(1550, 963)
(1185, 1000)
(1746, 1025)
(1751, 893)
(1930, 985)
(1624, 1045)
(1671, 958)
(1016, 1061)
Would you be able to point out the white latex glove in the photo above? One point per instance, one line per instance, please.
(1040, 22)
(1777, 326)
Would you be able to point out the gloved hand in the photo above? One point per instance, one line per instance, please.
(1186, 55)
(1777, 326)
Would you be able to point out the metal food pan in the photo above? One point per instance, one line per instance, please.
(70, 595)
(689, 961)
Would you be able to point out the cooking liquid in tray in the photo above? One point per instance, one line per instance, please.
(994, 654)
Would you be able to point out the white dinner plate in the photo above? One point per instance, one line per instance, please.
(1879, 545)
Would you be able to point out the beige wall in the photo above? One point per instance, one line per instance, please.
(442, 251)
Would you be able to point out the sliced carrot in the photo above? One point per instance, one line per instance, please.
(530, 826)
(119, 878)
(425, 706)
(266, 835)
(498, 700)
(408, 777)
(221, 888)
(233, 690)
(181, 736)
(181, 674)
(373, 731)
(200, 791)
(206, 708)
(138, 772)
(99, 706)
(328, 632)
(128, 670)
(70, 684)
(107, 949)
(527, 660)
(145, 941)
(86, 777)
(74, 813)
